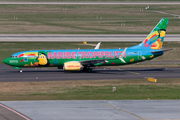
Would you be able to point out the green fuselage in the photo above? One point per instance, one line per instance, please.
(57, 58)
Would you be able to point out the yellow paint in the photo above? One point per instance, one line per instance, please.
(72, 66)
(26, 65)
(162, 34)
(42, 59)
(84, 42)
(133, 72)
(154, 33)
(31, 64)
(152, 80)
(132, 60)
(158, 45)
(152, 56)
(51, 65)
(129, 72)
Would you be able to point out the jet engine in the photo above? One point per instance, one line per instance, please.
(72, 66)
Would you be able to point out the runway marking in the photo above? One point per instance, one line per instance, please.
(126, 112)
(15, 112)
(130, 72)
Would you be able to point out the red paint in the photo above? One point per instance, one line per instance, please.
(15, 112)
(21, 55)
(31, 55)
(73, 66)
(113, 63)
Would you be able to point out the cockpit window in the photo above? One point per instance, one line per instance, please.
(14, 56)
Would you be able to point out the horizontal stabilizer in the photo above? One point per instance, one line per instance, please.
(162, 51)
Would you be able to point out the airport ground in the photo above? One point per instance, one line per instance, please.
(52, 84)
(87, 19)
(92, 110)
(94, 1)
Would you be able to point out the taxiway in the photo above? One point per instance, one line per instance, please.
(95, 109)
(9, 74)
(80, 38)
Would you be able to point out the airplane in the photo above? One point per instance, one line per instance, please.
(85, 59)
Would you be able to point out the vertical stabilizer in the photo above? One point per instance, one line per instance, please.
(156, 37)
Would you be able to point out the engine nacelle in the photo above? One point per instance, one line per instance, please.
(72, 66)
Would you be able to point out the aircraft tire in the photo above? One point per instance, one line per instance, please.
(85, 69)
(89, 70)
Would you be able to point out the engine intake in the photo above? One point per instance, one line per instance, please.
(72, 66)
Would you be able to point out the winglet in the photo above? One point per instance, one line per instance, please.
(98, 45)
(122, 55)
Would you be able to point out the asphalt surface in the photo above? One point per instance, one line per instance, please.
(98, 109)
(94, 3)
(9, 74)
(7, 113)
(79, 38)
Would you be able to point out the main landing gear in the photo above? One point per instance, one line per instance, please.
(87, 69)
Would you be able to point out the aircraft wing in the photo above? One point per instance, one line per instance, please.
(92, 62)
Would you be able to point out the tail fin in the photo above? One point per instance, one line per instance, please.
(156, 37)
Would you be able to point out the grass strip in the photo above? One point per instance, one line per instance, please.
(86, 19)
(87, 0)
(138, 89)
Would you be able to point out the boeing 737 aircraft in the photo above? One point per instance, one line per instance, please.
(84, 59)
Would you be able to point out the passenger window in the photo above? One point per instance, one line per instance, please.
(14, 56)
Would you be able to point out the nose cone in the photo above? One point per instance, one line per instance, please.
(6, 61)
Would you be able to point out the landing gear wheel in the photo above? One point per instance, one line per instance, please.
(85, 69)
(20, 70)
(89, 70)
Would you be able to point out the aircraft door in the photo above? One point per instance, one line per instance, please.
(139, 55)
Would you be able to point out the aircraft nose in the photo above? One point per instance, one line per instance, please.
(6, 61)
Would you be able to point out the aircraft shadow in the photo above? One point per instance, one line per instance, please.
(98, 71)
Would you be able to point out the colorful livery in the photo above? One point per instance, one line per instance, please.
(84, 59)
